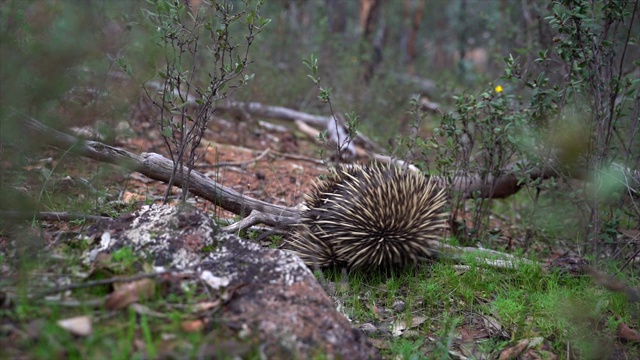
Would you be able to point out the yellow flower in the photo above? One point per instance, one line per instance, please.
(498, 89)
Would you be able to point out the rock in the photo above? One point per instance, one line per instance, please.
(275, 296)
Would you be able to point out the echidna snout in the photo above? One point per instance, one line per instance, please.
(374, 215)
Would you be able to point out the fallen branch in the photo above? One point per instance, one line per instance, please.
(283, 113)
(50, 216)
(485, 257)
(156, 167)
(259, 218)
(100, 282)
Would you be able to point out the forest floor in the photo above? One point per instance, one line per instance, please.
(434, 311)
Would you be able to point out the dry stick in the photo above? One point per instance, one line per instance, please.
(156, 167)
(51, 216)
(487, 257)
(258, 218)
(299, 157)
(100, 282)
(238, 163)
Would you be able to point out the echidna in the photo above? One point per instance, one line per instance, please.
(371, 215)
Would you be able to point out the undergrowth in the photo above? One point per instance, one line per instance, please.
(501, 307)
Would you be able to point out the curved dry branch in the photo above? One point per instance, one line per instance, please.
(156, 167)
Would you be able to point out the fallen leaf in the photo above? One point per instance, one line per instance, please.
(522, 345)
(378, 312)
(80, 325)
(400, 326)
(472, 334)
(628, 334)
(368, 328)
(492, 324)
(129, 293)
(472, 350)
(192, 325)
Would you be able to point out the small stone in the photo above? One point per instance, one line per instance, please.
(399, 306)
(369, 328)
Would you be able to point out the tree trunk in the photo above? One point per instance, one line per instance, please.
(417, 8)
(372, 40)
(336, 15)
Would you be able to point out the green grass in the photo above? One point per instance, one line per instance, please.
(527, 303)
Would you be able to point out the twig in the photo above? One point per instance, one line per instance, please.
(100, 282)
(256, 217)
(299, 157)
(237, 163)
(611, 283)
(50, 216)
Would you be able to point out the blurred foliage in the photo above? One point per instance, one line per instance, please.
(52, 68)
(562, 114)
(58, 53)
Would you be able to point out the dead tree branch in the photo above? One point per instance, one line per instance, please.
(156, 167)
(50, 216)
(283, 113)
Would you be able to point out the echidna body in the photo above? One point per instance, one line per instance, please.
(374, 215)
